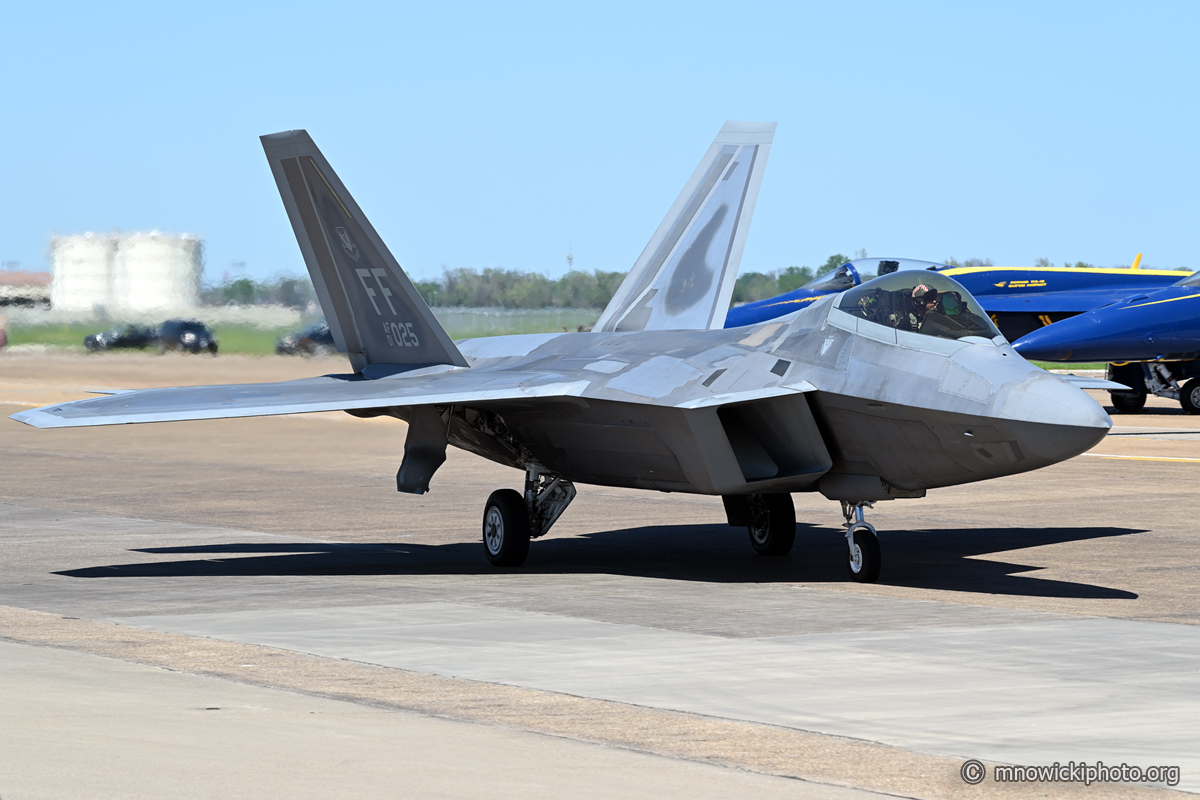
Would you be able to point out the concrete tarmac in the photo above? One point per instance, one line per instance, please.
(78, 726)
(1032, 619)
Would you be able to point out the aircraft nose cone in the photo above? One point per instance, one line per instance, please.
(1061, 420)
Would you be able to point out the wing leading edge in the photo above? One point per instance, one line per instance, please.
(433, 386)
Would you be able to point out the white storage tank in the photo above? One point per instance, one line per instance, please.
(128, 275)
(156, 272)
(82, 267)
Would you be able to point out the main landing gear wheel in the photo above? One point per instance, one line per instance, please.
(863, 557)
(772, 524)
(506, 528)
(1130, 402)
(1189, 396)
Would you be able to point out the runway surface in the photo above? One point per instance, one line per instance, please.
(1038, 618)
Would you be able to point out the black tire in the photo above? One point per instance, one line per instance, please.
(1189, 396)
(866, 569)
(506, 529)
(772, 526)
(212, 348)
(1128, 402)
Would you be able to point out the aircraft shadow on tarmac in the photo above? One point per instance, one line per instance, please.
(937, 559)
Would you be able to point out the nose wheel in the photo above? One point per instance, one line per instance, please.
(863, 558)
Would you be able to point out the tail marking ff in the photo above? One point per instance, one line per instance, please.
(376, 315)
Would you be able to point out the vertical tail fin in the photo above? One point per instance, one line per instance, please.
(684, 278)
(375, 313)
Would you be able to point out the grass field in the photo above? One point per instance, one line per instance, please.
(460, 323)
(1054, 365)
(230, 338)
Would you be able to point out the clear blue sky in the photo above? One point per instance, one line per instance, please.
(488, 134)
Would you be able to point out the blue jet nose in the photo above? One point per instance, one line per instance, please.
(1072, 339)
(1112, 333)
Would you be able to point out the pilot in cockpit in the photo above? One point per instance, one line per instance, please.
(924, 300)
(920, 308)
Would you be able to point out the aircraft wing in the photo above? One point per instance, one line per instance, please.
(1085, 382)
(684, 278)
(436, 386)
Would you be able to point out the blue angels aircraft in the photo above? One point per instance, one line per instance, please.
(1024, 299)
(1151, 341)
(1018, 299)
(860, 396)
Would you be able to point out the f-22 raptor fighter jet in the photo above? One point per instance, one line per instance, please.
(862, 396)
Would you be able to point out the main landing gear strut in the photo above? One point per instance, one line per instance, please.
(864, 557)
(510, 520)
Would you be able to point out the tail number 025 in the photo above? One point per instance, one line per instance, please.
(400, 334)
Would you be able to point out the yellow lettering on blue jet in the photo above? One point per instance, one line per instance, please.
(1000, 284)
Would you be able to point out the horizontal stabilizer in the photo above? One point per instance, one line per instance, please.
(684, 278)
(376, 315)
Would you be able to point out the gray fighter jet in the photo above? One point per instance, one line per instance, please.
(893, 388)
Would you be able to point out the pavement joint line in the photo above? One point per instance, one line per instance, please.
(754, 747)
(1144, 458)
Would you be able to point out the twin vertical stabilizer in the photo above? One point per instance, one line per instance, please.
(683, 280)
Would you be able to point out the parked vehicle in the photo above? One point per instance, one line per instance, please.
(313, 340)
(123, 336)
(187, 335)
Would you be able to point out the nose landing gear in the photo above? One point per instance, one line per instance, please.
(863, 558)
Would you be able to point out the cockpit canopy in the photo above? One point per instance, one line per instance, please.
(1190, 280)
(920, 302)
(861, 270)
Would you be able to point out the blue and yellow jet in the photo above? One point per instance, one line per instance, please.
(1018, 299)
(1153, 338)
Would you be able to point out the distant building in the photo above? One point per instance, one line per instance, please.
(126, 273)
(27, 289)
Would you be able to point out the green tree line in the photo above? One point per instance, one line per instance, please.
(509, 288)
(282, 291)
(491, 287)
(752, 286)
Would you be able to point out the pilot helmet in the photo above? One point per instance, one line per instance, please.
(924, 294)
